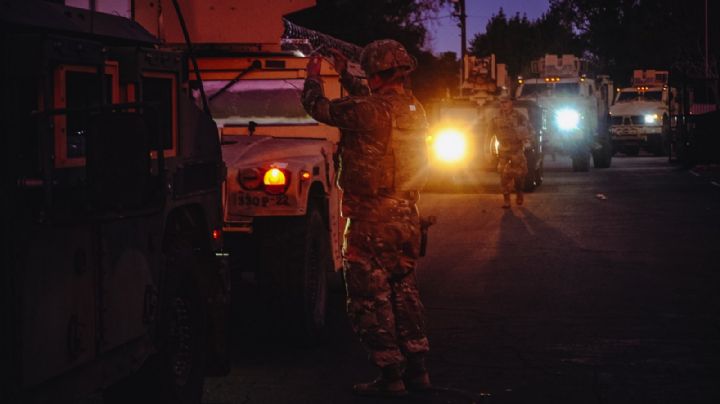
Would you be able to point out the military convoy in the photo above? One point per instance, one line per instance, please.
(112, 276)
(577, 104)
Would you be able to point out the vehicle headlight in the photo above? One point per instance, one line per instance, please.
(276, 180)
(449, 145)
(651, 118)
(567, 119)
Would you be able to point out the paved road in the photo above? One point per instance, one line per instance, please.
(603, 288)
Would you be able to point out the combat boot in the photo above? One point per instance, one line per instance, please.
(520, 198)
(416, 376)
(389, 384)
(506, 201)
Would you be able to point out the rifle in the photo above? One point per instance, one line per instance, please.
(309, 42)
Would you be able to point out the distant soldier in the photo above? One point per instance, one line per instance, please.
(383, 158)
(513, 133)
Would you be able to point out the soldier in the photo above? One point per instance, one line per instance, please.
(383, 156)
(513, 134)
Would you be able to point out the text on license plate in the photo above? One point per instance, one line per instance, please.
(243, 199)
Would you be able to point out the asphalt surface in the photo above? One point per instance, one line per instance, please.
(602, 288)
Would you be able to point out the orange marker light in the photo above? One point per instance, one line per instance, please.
(305, 175)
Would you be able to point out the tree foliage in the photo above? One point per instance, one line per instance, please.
(633, 34)
(516, 40)
(618, 35)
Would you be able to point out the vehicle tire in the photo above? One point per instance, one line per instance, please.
(295, 258)
(602, 157)
(175, 374)
(581, 162)
(535, 178)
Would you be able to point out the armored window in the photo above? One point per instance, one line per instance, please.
(79, 92)
(567, 89)
(266, 102)
(159, 91)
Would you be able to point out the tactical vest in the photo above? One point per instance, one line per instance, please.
(392, 159)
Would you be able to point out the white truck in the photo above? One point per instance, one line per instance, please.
(577, 105)
(641, 112)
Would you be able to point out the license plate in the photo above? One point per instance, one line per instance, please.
(262, 201)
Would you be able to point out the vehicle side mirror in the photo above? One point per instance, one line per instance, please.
(118, 161)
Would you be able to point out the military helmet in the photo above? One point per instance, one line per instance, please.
(386, 54)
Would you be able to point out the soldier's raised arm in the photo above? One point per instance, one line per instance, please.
(346, 113)
(351, 84)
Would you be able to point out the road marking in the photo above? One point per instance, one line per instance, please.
(715, 183)
(694, 173)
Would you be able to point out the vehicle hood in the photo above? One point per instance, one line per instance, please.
(246, 150)
(637, 108)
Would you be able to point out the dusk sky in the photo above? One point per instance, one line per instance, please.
(445, 33)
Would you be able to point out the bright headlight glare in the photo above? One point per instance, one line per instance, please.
(449, 145)
(567, 119)
(651, 118)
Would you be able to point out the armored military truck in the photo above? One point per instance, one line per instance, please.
(641, 114)
(112, 275)
(578, 105)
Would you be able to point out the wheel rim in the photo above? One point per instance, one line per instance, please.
(180, 339)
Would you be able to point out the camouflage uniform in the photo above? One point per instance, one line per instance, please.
(382, 237)
(513, 134)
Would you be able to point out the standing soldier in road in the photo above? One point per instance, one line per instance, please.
(513, 134)
(383, 156)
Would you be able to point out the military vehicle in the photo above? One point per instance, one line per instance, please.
(641, 114)
(280, 198)
(112, 277)
(462, 145)
(578, 105)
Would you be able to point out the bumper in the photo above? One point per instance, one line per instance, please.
(634, 134)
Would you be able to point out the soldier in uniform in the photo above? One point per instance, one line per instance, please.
(513, 134)
(382, 155)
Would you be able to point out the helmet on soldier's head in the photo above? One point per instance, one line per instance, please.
(386, 54)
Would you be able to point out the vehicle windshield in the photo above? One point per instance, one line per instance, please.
(532, 90)
(266, 102)
(627, 96)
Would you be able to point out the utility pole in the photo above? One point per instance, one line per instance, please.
(462, 17)
(707, 64)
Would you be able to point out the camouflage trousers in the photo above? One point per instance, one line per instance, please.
(383, 302)
(512, 169)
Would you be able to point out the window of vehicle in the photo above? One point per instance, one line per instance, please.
(161, 89)
(266, 102)
(566, 89)
(79, 89)
(529, 90)
(628, 96)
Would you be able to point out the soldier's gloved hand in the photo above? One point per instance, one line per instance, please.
(340, 62)
(313, 67)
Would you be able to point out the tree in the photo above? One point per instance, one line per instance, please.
(635, 34)
(516, 40)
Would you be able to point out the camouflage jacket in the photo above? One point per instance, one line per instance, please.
(512, 131)
(366, 123)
